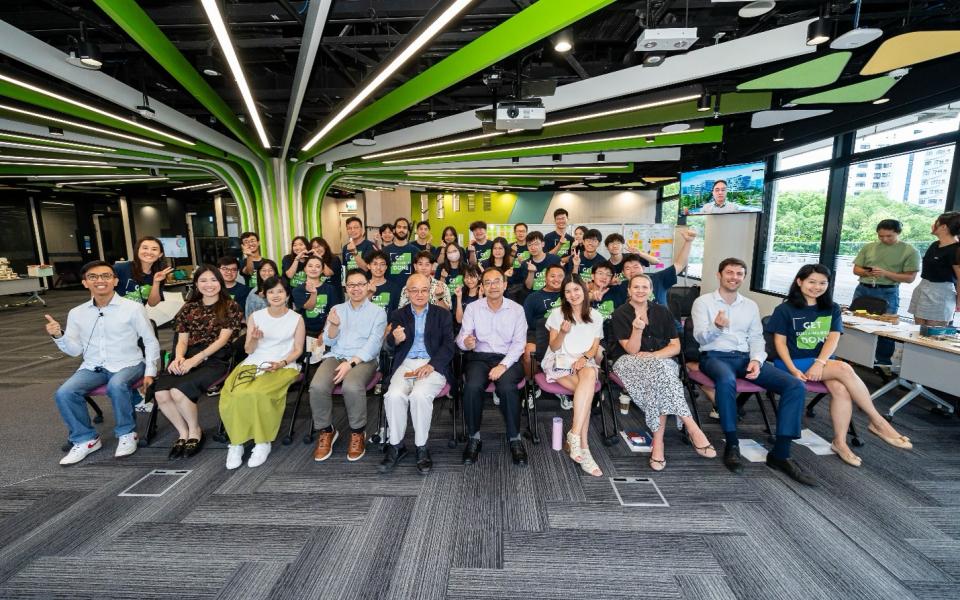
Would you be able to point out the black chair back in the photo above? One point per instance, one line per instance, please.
(768, 339)
(874, 306)
(689, 346)
(680, 300)
(542, 340)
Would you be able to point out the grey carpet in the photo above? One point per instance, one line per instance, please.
(297, 529)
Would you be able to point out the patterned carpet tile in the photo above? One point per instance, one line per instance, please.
(558, 582)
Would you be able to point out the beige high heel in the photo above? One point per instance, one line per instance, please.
(572, 447)
(589, 465)
(898, 441)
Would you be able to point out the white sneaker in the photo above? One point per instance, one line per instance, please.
(143, 407)
(259, 455)
(234, 456)
(496, 400)
(80, 451)
(714, 414)
(566, 403)
(126, 445)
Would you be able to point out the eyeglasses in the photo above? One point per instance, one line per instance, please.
(491, 282)
(247, 376)
(418, 291)
(229, 270)
(356, 285)
(98, 276)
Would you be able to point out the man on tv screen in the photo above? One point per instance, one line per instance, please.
(718, 205)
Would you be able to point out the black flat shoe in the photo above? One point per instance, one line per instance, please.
(193, 446)
(732, 459)
(424, 462)
(518, 452)
(791, 469)
(391, 457)
(177, 450)
(472, 452)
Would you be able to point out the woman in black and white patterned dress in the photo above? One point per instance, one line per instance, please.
(643, 360)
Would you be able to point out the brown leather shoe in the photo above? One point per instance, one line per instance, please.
(357, 447)
(325, 445)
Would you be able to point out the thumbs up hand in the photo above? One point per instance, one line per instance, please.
(722, 321)
(53, 328)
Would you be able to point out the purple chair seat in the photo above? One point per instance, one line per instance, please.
(617, 381)
(520, 385)
(555, 388)
(102, 390)
(816, 387)
(444, 391)
(377, 376)
(743, 385)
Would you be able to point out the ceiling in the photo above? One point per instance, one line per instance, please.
(358, 38)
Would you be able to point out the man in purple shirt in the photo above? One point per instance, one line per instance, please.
(493, 335)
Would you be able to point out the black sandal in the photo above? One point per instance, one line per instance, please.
(193, 446)
(177, 450)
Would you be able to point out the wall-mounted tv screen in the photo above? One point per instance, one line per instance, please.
(723, 190)
(175, 247)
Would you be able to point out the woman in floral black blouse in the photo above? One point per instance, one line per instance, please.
(206, 326)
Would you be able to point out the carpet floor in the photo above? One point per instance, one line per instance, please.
(294, 528)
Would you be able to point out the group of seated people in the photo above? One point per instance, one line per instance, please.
(426, 305)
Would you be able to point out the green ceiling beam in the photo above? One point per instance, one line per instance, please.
(439, 181)
(713, 133)
(138, 25)
(812, 73)
(530, 25)
(733, 103)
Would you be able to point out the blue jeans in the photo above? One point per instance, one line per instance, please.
(885, 346)
(73, 406)
(724, 368)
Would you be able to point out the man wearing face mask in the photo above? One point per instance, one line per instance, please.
(400, 253)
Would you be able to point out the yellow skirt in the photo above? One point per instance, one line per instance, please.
(252, 408)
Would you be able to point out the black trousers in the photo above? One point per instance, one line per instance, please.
(476, 371)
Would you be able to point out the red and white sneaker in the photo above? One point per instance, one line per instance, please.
(80, 451)
(126, 445)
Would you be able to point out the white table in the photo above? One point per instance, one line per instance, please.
(24, 285)
(925, 363)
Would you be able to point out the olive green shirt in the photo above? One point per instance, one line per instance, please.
(897, 258)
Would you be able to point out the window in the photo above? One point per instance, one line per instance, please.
(796, 214)
(912, 200)
(924, 124)
(808, 154)
(669, 210)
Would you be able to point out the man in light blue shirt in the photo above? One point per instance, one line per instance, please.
(728, 329)
(105, 331)
(353, 336)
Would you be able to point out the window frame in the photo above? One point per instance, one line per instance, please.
(840, 166)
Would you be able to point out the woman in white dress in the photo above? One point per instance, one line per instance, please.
(575, 331)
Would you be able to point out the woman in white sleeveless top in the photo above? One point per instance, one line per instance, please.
(254, 395)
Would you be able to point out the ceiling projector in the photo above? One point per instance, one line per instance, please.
(521, 114)
(675, 39)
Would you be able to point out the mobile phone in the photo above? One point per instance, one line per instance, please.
(410, 375)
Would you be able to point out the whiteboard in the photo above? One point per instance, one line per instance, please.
(652, 238)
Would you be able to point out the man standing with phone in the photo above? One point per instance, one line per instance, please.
(882, 266)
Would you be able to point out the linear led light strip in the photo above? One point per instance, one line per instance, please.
(31, 138)
(432, 30)
(37, 177)
(505, 175)
(38, 148)
(195, 186)
(99, 111)
(69, 123)
(606, 167)
(101, 181)
(48, 164)
(472, 186)
(34, 159)
(540, 146)
(226, 46)
(216, 189)
(574, 119)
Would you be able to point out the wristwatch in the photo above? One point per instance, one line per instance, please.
(352, 364)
